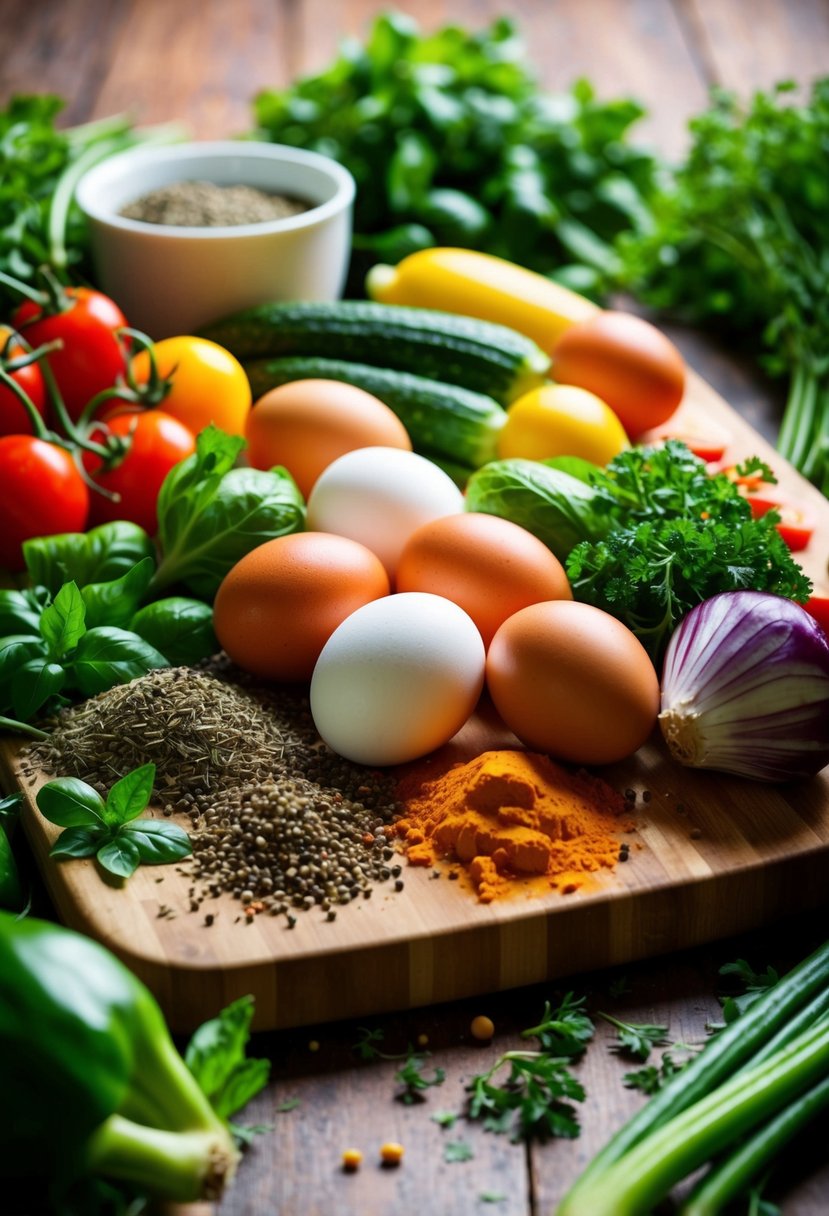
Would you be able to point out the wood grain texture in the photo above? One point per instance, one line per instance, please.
(712, 855)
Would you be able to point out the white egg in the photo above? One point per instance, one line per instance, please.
(379, 497)
(397, 678)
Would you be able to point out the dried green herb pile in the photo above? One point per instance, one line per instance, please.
(278, 820)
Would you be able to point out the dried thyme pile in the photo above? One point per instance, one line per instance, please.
(278, 820)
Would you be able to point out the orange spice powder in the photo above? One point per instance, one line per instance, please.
(512, 815)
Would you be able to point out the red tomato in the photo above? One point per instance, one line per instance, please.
(817, 606)
(13, 417)
(158, 443)
(627, 362)
(91, 359)
(797, 524)
(41, 492)
(707, 440)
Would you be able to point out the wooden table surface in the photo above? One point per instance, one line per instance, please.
(201, 61)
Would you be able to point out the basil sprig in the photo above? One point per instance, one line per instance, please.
(113, 830)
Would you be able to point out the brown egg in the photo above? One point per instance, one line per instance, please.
(278, 606)
(307, 424)
(571, 680)
(489, 566)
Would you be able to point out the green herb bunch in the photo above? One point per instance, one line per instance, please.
(740, 241)
(451, 142)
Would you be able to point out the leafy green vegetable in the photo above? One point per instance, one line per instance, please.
(636, 1038)
(411, 1077)
(101, 555)
(457, 1150)
(111, 830)
(216, 1057)
(181, 628)
(554, 505)
(451, 142)
(740, 241)
(40, 166)
(444, 1118)
(211, 514)
(652, 1077)
(565, 1031)
(533, 1103)
(37, 670)
(101, 1090)
(11, 892)
(676, 536)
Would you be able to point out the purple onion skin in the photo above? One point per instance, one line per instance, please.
(745, 688)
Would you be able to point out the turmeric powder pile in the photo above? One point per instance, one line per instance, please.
(510, 815)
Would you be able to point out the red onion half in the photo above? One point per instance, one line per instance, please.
(745, 688)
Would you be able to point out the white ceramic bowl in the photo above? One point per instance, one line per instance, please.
(171, 280)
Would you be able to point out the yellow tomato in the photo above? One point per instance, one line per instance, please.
(208, 383)
(560, 420)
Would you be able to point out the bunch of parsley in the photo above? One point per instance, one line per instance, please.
(676, 536)
(740, 242)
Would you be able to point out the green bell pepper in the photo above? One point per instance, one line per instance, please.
(11, 892)
(93, 1078)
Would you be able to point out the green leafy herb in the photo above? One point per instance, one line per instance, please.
(444, 1118)
(40, 166)
(60, 653)
(533, 1103)
(101, 555)
(181, 628)
(289, 1104)
(451, 142)
(739, 241)
(492, 1197)
(411, 1077)
(652, 1077)
(111, 830)
(366, 1047)
(457, 1150)
(565, 1031)
(677, 536)
(216, 1057)
(754, 984)
(636, 1038)
(211, 514)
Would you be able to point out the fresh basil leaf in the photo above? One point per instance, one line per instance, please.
(70, 803)
(14, 652)
(104, 553)
(129, 796)
(115, 602)
(120, 856)
(77, 842)
(63, 622)
(158, 841)
(215, 1056)
(107, 656)
(33, 684)
(211, 514)
(18, 615)
(180, 628)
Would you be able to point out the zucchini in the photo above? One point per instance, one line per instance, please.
(450, 421)
(477, 355)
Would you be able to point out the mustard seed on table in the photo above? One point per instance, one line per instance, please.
(277, 819)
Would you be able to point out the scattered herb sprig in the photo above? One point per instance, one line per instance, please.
(636, 1038)
(414, 1083)
(565, 1031)
(113, 830)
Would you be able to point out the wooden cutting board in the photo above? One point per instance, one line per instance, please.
(712, 855)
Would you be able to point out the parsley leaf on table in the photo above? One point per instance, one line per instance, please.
(532, 1103)
(636, 1038)
(565, 1031)
(411, 1077)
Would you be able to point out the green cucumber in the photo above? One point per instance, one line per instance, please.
(450, 421)
(455, 349)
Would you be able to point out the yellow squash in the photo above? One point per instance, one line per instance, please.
(480, 285)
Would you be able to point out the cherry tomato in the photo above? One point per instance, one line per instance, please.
(91, 358)
(41, 492)
(560, 420)
(708, 440)
(13, 417)
(208, 383)
(627, 362)
(817, 606)
(796, 525)
(158, 443)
